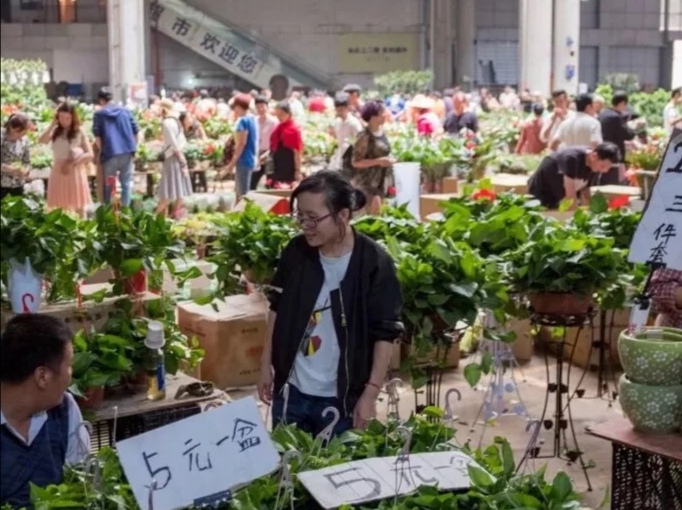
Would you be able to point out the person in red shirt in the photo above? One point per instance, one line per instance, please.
(666, 297)
(529, 141)
(286, 147)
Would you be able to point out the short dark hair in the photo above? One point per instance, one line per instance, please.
(242, 100)
(352, 88)
(261, 100)
(558, 93)
(284, 106)
(18, 121)
(538, 108)
(619, 97)
(339, 193)
(676, 92)
(583, 101)
(30, 341)
(341, 100)
(372, 109)
(608, 150)
(105, 94)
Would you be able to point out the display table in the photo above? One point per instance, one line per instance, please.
(513, 183)
(647, 468)
(122, 417)
(616, 190)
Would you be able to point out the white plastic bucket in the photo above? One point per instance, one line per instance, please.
(407, 178)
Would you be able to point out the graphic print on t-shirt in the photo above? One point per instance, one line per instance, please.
(311, 343)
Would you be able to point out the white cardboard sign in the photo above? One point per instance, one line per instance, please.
(199, 457)
(368, 480)
(658, 238)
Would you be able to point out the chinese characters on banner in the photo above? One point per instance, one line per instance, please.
(378, 52)
(658, 238)
(213, 44)
(385, 477)
(198, 457)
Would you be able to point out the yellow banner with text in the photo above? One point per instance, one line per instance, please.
(378, 53)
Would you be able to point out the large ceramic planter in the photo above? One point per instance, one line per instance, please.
(651, 409)
(558, 303)
(653, 357)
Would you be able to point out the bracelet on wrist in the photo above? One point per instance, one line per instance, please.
(373, 385)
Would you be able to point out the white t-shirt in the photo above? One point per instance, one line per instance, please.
(316, 367)
(670, 113)
(346, 131)
(581, 130)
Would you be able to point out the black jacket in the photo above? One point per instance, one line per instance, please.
(366, 308)
(614, 129)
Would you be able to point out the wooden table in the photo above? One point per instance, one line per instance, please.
(127, 416)
(647, 468)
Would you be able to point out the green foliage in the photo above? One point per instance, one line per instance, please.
(404, 82)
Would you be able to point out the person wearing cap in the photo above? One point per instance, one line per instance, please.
(286, 147)
(16, 156)
(175, 183)
(115, 131)
(354, 101)
(40, 423)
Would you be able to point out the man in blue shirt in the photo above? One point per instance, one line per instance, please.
(245, 157)
(39, 422)
(115, 131)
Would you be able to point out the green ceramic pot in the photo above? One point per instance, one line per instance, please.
(653, 357)
(655, 409)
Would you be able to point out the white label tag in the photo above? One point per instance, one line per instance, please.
(639, 317)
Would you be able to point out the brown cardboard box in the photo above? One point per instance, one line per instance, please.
(510, 183)
(451, 185)
(429, 204)
(284, 193)
(233, 338)
(90, 314)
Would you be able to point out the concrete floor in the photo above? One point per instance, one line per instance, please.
(586, 411)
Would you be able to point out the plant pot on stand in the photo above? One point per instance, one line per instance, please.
(560, 303)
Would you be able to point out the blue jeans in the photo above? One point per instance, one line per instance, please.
(242, 179)
(120, 166)
(305, 411)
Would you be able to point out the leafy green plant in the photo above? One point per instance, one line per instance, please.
(130, 241)
(249, 242)
(403, 82)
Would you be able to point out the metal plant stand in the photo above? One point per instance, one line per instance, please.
(564, 443)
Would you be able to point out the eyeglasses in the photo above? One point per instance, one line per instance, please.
(310, 223)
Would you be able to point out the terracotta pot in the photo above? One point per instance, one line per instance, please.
(136, 284)
(93, 399)
(201, 251)
(559, 303)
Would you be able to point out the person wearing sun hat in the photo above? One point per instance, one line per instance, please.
(428, 123)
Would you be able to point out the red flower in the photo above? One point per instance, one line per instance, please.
(470, 145)
(209, 150)
(391, 192)
(268, 183)
(619, 202)
(470, 134)
(484, 194)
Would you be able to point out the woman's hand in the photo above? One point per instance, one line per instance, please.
(265, 385)
(366, 408)
(386, 161)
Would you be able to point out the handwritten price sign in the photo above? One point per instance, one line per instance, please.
(658, 238)
(200, 457)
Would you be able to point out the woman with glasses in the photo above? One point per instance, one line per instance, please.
(335, 306)
(15, 156)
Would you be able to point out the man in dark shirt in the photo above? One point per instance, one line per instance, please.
(570, 172)
(460, 118)
(614, 129)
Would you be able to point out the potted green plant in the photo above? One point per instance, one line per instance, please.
(135, 244)
(249, 243)
(560, 268)
(33, 244)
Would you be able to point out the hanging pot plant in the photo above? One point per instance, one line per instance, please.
(560, 269)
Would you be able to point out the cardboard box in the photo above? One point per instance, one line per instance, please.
(233, 338)
(89, 314)
(510, 183)
(430, 204)
(284, 193)
(266, 201)
(451, 185)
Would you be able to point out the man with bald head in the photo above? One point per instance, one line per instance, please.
(460, 117)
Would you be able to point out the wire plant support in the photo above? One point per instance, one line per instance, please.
(564, 443)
